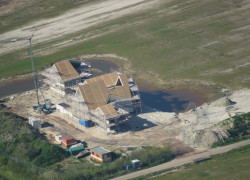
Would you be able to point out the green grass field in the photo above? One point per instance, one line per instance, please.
(178, 42)
(34, 10)
(232, 165)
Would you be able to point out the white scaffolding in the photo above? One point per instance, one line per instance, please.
(52, 78)
(125, 107)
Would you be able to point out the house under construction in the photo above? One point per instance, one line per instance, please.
(64, 76)
(106, 101)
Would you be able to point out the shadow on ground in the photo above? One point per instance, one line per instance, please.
(137, 124)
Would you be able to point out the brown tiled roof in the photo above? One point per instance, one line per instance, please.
(95, 94)
(109, 79)
(108, 110)
(124, 90)
(66, 70)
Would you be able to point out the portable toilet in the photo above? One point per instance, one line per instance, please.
(128, 166)
(135, 163)
(30, 120)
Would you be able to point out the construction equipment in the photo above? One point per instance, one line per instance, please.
(38, 107)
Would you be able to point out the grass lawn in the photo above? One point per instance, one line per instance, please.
(179, 41)
(34, 10)
(232, 165)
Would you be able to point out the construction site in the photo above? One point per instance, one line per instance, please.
(106, 111)
(106, 101)
(120, 86)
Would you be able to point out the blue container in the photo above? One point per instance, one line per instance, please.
(90, 123)
(85, 123)
(128, 166)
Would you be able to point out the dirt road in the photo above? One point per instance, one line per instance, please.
(73, 21)
(182, 161)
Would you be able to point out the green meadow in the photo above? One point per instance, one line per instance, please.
(178, 41)
(231, 165)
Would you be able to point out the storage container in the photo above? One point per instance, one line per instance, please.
(85, 123)
(135, 163)
(76, 150)
(58, 138)
(68, 140)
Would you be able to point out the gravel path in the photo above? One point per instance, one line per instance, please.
(73, 21)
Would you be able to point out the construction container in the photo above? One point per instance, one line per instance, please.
(100, 154)
(85, 123)
(58, 138)
(76, 150)
(47, 103)
(68, 140)
(30, 119)
(35, 122)
(135, 163)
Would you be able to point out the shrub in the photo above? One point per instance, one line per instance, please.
(21, 141)
(239, 131)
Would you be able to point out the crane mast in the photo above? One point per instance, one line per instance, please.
(38, 106)
(33, 69)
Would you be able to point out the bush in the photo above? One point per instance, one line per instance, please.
(239, 131)
(153, 155)
(47, 154)
(3, 160)
(21, 141)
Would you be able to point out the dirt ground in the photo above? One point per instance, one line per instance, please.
(140, 132)
(73, 21)
(146, 129)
